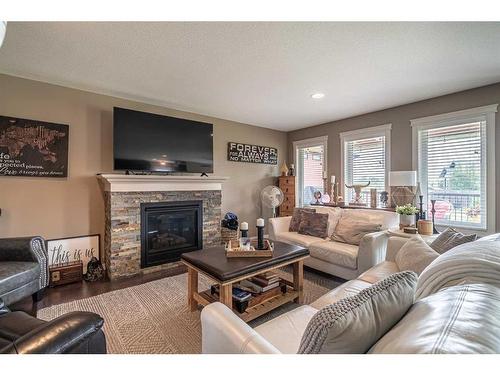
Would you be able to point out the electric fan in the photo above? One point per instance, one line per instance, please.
(272, 197)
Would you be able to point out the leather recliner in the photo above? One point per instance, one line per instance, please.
(76, 332)
(23, 268)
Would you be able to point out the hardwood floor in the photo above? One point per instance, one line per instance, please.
(71, 292)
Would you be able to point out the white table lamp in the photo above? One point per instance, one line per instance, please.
(401, 183)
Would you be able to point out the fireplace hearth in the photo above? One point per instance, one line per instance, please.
(169, 229)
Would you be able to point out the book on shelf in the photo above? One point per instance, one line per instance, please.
(239, 294)
(263, 282)
(256, 288)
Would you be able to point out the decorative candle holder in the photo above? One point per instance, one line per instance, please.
(433, 211)
(244, 229)
(260, 234)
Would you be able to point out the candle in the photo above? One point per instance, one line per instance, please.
(260, 222)
(332, 179)
(244, 226)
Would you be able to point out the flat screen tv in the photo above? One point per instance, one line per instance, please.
(154, 143)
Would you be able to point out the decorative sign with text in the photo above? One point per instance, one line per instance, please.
(30, 148)
(241, 152)
(73, 249)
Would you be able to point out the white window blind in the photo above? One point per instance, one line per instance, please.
(365, 161)
(452, 171)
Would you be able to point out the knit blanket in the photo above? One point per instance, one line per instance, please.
(471, 263)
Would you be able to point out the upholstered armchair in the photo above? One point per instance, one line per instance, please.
(23, 268)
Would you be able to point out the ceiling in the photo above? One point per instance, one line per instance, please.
(259, 73)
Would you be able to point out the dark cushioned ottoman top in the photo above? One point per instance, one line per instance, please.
(213, 261)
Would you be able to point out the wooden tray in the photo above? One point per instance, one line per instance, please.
(235, 252)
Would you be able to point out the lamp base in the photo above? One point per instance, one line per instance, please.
(401, 195)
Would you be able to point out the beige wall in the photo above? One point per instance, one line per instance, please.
(401, 142)
(74, 206)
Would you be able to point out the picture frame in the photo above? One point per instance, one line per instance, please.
(71, 249)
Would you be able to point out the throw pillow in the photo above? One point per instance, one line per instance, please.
(352, 231)
(314, 224)
(451, 238)
(297, 217)
(415, 255)
(353, 324)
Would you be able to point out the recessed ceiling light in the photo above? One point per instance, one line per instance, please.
(318, 95)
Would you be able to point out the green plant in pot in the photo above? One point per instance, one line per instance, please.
(406, 215)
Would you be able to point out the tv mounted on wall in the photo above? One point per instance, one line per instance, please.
(154, 143)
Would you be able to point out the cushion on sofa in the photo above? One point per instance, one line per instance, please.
(297, 218)
(379, 272)
(351, 230)
(387, 219)
(354, 324)
(295, 238)
(415, 255)
(314, 224)
(286, 330)
(334, 214)
(347, 289)
(458, 319)
(342, 254)
(449, 239)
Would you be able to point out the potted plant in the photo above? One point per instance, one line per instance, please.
(406, 215)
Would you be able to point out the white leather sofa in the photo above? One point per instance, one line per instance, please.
(337, 258)
(461, 317)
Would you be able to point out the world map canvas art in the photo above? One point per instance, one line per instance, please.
(31, 148)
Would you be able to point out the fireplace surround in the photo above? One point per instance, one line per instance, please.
(123, 197)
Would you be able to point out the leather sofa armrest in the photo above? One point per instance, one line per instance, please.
(372, 250)
(224, 333)
(27, 249)
(278, 225)
(61, 335)
(23, 249)
(394, 243)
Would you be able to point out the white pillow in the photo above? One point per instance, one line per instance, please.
(415, 255)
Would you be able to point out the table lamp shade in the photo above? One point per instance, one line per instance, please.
(403, 178)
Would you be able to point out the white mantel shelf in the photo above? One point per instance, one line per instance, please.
(129, 183)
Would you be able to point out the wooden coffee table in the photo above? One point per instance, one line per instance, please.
(224, 271)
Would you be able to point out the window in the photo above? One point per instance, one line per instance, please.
(366, 159)
(310, 162)
(454, 158)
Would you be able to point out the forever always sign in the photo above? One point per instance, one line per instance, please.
(241, 152)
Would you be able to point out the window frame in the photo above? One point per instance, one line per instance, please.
(309, 142)
(365, 133)
(477, 114)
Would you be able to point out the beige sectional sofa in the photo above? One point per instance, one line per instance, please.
(338, 258)
(451, 317)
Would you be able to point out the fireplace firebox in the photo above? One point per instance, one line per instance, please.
(169, 229)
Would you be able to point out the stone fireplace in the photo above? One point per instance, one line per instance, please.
(151, 220)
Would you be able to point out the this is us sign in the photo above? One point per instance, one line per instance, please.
(242, 152)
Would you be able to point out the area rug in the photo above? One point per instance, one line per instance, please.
(154, 317)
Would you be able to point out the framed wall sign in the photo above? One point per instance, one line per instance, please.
(241, 152)
(31, 148)
(71, 249)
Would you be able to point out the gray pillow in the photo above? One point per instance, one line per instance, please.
(451, 238)
(353, 324)
(415, 255)
(297, 218)
(352, 231)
